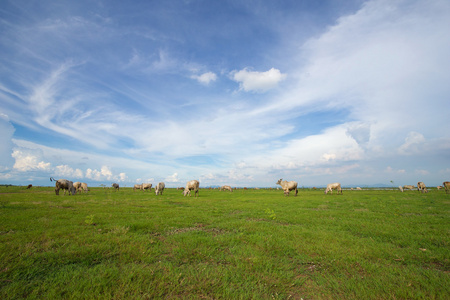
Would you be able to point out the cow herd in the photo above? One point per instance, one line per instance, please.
(194, 185)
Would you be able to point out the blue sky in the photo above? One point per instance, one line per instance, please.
(227, 92)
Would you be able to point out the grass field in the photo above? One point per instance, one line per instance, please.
(254, 244)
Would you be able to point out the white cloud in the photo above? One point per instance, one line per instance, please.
(68, 172)
(122, 177)
(412, 144)
(28, 162)
(389, 169)
(104, 174)
(360, 132)
(205, 78)
(258, 81)
(172, 178)
(6, 145)
(421, 172)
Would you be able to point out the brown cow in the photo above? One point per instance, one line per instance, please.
(421, 187)
(446, 185)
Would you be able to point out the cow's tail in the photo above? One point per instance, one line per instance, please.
(51, 178)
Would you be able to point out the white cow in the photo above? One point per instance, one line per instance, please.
(333, 186)
(226, 187)
(288, 186)
(146, 186)
(191, 185)
(84, 187)
(400, 188)
(137, 187)
(421, 187)
(77, 186)
(408, 186)
(159, 188)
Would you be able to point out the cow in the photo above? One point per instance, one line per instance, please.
(333, 186)
(288, 186)
(226, 187)
(408, 186)
(137, 187)
(400, 188)
(446, 185)
(358, 188)
(64, 184)
(191, 185)
(115, 186)
(159, 188)
(146, 186)
(84, 187)
(421, 187)
(29, 186)
(77, 185)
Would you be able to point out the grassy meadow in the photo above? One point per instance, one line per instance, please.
(253, 244)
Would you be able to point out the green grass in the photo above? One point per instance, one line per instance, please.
(254, 244)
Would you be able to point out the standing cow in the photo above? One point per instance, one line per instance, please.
(137, 187)
(159, 188)
(333, 186)
(446, 185)
(115, 186)
(421, 187)
(64, 184)
(191, 185)
(288, 186)
(146, 186)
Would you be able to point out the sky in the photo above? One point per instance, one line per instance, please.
(226, 92)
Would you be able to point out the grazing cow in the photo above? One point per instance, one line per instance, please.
(137, 187)
(400, 188)
(358, 188)
(288, 186)
(226, 187)
(446, 185)
(77, 185)
(333, 186)
(159, 188)
(191, 185)
(84, 187)
(408, 186)
(64, 184)
(421, 187)
(115, 186)
(146, 186)
(29, 186)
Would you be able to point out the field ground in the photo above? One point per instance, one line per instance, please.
(254, 244)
